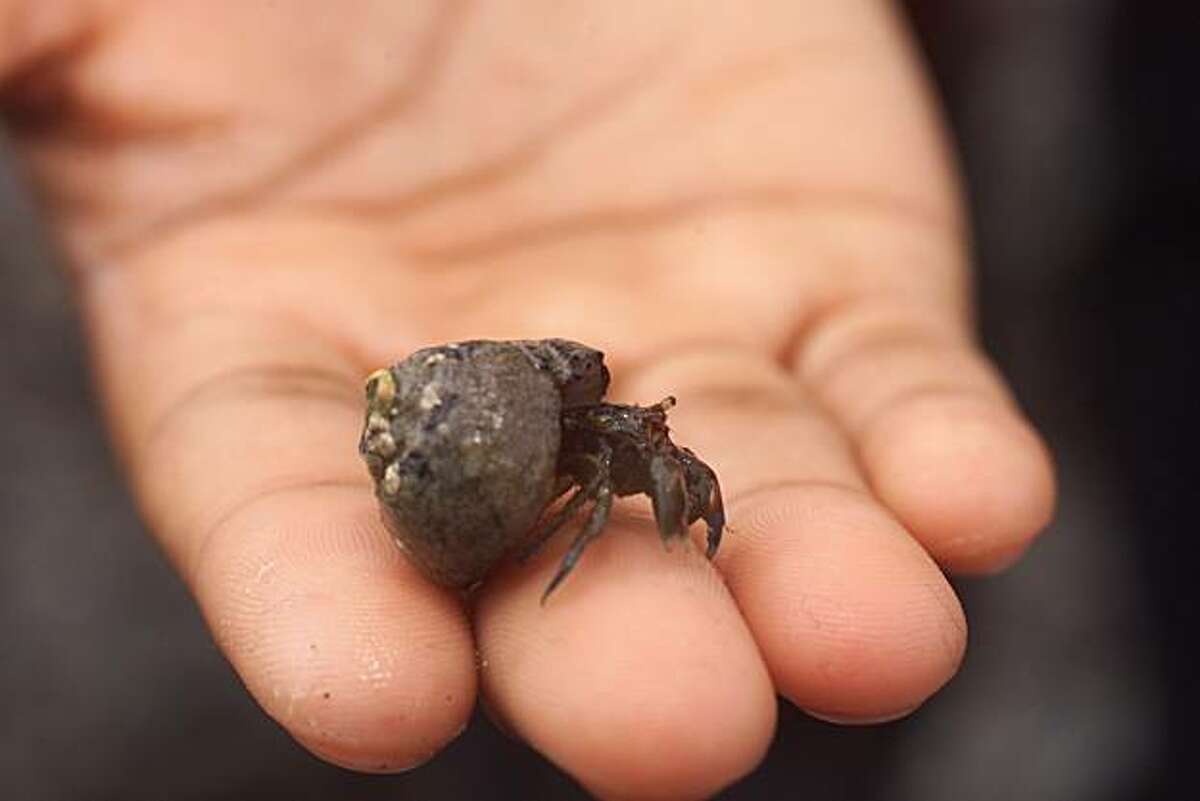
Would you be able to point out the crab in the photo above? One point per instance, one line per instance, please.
(611, 450)
(470, 445)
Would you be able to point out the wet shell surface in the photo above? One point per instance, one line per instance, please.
(462, 441)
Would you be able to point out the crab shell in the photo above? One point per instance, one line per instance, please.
(462, 442)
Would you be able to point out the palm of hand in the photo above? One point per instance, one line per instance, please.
(751, 214)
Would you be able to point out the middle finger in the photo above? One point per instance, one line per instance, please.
(854, 620)
(639, 675)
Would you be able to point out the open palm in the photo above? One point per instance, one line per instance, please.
(747, 206)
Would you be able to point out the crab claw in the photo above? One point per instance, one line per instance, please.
(714, 518)
(669, 496)
(704, 493)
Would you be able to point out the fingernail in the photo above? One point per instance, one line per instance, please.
(846, 720)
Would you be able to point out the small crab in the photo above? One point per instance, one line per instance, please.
(469, 445)
(611, 449)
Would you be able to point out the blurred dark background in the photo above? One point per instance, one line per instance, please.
(1079, 128)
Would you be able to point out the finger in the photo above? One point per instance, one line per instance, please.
(854, 620)
(937, 432)
(30, 32)
(638, 676)
(240, 437)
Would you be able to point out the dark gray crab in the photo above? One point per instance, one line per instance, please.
(470, 443)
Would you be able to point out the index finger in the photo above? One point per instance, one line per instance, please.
(239, 432)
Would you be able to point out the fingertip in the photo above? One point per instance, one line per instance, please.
(971, 480)
(338, 639)
(855, 621)
(638, 676)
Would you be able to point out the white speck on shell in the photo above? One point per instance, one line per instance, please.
(391, 479)
(429, 398)
(383, 444)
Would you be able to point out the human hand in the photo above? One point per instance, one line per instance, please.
(752, 212)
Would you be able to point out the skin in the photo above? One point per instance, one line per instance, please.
(755, 213)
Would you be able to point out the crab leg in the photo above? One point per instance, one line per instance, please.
(669, 496)
(603, 494)
(705, 492)
(595, 524)
(543, 533)
(714, 518)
